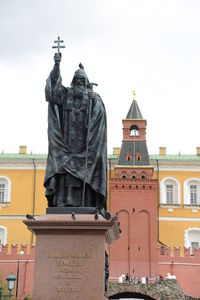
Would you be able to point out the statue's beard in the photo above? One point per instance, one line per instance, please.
(78, 91)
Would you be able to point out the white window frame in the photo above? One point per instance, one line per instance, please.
(5, 180)
(3, 189)
(193, 194)
(188, 243)
(187, 192)
(169, 194)
(4, 240)
(194, 245)
(163, 191)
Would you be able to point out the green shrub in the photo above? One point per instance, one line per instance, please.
(27, 298)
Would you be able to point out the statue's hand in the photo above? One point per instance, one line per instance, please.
(91, 94)
(57, 58)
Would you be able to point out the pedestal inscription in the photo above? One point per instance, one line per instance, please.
(71, 271)
(70, 256)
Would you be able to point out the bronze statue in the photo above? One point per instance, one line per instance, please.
(77, 134)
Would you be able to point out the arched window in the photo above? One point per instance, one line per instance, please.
(170, 192)
(134, 176)
(124, 176)
(128, 156)
(4, 190)
(138, 156)
(192, 239)
(143, 176)
(134, 130)
(192, 192)
(3, 235)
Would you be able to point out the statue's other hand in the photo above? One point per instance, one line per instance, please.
(91, 94)
(57, 58)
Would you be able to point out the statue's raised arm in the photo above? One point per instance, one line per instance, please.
(56, 69)
(54, 90)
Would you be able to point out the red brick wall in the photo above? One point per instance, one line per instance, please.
(135, 252)
(186, 268)
(126, 130)
(9, 258)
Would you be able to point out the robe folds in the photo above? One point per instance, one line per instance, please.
(74, 127)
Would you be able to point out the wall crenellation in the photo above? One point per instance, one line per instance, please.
(13, 250)
(176, 254)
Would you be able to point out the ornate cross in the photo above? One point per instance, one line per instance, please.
(58, 46)
(133, 92)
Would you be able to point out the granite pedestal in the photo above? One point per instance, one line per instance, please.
(70, 256)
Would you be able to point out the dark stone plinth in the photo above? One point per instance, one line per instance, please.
(70, 256)
(70, 210)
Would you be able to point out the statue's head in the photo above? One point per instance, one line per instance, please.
(80, 78)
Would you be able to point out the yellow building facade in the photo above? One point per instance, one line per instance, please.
(178, 197)
(21, 193)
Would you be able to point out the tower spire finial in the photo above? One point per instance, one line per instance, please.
(133, 92)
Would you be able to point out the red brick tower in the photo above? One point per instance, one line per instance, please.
(133, 193)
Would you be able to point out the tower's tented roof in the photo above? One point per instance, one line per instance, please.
(134, 111)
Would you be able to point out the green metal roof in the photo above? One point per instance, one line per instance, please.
(175, 157)
(36, 156)
(22, 156)
(114, 156)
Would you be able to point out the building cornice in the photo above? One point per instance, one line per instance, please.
(133, 167)
(177, 219)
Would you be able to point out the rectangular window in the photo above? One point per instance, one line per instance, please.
(194, 245)
(162, 250)
(2, 192)
(193, 194)
(169, 194)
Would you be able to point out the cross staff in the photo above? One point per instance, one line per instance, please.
(58, 46)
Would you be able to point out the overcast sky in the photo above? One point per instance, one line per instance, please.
(147, 45)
